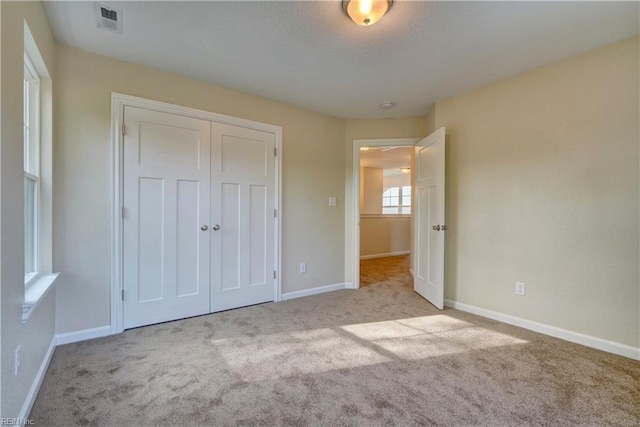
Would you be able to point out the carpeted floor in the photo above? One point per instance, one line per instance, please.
(380, 355)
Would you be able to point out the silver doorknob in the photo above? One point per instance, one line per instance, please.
(436, 227)
(204, 228)
(216, 227)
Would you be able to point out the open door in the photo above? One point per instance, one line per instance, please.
(429, 227)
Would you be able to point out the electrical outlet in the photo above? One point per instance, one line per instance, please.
(520, 288)
(17, 358)
(303, 267)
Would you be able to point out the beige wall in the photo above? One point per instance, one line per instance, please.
(542, 187)
(412, 127)
(397, 180)
(313, 170)
(372, 182)
(430, 121)
(384, 235)
(35, 336)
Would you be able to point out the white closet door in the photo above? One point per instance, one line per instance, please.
(166, 203)
(242, 215)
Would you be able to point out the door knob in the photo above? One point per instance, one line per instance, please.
(216, 227)
(204, 228)
(436, 227)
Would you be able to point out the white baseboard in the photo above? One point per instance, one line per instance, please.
(575, 337)
(82, 335)
(312, 291)
(55, 341)
(411, 273)
(37, 382)
(398, 253)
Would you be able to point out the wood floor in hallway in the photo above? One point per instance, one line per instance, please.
(387, 269)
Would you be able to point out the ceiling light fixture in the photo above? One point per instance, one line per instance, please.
(405, 170)
(387, 105)
(366, 12)
(364, 148)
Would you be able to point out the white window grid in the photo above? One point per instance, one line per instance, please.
(396, 200)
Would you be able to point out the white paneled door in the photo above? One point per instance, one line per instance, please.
(429, 225)
(166, 201)
(242, 207)
(198, 227)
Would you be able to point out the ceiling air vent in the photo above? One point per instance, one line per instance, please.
(109, 18)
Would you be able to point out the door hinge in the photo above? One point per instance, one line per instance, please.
(274, 274)
(124, 131)
(122, 295)
(275, 151)
(122, 212)
(275, 213)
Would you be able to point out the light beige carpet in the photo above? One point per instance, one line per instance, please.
(380, 355)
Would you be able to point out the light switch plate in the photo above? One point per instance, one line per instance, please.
(332, 201)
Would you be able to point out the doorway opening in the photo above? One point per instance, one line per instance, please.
(427, 220)
(382, 209)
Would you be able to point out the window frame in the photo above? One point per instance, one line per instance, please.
(31, 161)
(399, 207)
(38, 166)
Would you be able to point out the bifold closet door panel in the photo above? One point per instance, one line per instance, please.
(242, 206)
(166, 258)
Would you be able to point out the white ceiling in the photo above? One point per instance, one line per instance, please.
(309, 54)
(389, 160)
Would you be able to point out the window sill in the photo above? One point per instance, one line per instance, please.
(35, 292)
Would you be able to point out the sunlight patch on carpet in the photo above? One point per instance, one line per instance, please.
(429, 336)
(295, 353)
(405, 327)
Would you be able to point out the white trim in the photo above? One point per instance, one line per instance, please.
(564, 334)
(117, 118)
(83, 335)
(56, 340)
(118, 102)
(398, 253)
(355, 193)
(277, 294)
(314, 291)
(411, 272)
(35, 385)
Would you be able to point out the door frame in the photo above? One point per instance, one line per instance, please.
(355, 217)
(118, 103)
